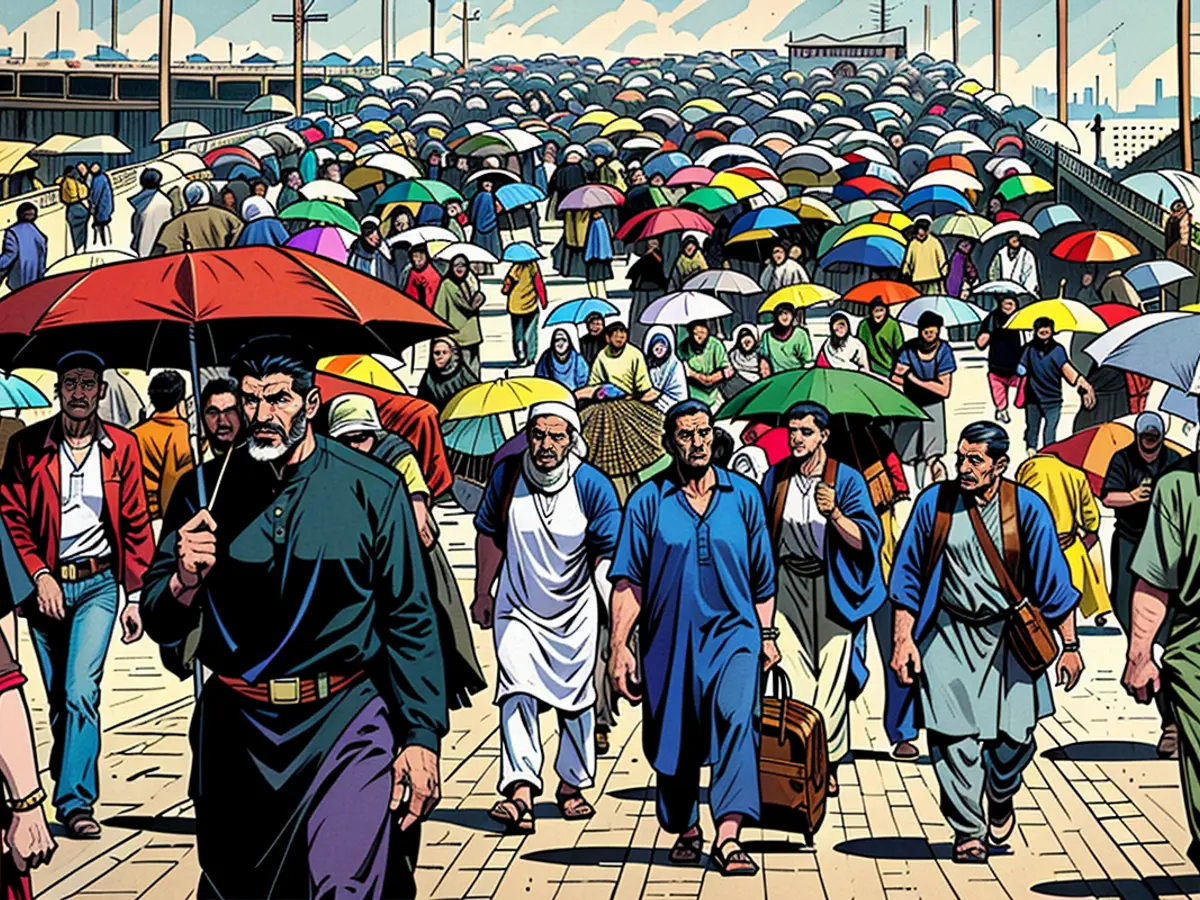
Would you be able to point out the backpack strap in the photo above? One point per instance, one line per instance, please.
(783, 478)
(946, 498)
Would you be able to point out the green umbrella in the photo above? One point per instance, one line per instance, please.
(710, 199)
(322, 212)
(418, 190)
(838, 390)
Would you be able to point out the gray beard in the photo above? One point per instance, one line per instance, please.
(275, 452)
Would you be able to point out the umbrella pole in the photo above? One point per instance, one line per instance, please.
(197, 666)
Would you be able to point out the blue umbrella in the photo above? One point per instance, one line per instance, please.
(512, 196)
(481, 436)
(520, 252)
(770, 217)
(1164, 346)
(666, 164)
(1151, 277)
(951, 309)
(575, 311)
(1055, 217)
(936, 200)
(17, 393)
(873, 252)
(1177, 403)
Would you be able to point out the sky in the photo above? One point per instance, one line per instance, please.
(1127, 44)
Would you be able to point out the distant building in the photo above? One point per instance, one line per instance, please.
(258, 59)
(844, 56)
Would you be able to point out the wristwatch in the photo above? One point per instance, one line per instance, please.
(30, 801)
(1070, 646)
(770, 633)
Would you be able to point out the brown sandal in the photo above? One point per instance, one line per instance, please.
(514, 815)
(574, 807)
(971, 852)
(82, 827)
(687, 850)
(736, 863)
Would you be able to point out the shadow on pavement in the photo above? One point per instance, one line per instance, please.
(895, 848)
(1156, 885)
(886, 756)
(777, 847)
(603, 856)
(1103, 751)
(647, 794)
(154, 824)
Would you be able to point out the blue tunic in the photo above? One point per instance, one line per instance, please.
(855, 581)
(267, 231)
(101, 199)
(599, 247)
(572, 373)
(483, 212)
(700, 578)
(22, 255)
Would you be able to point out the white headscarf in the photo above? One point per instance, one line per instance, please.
(257, 208)
(557, 478)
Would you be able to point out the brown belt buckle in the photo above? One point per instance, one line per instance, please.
(284, 691)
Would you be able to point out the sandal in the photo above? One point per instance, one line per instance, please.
(514, 815)
(737, 863)
(574, 807)
(82, 827)
(973, 851)
(687, 850)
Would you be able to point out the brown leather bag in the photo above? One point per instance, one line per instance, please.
(1029, 636)
(793, 763)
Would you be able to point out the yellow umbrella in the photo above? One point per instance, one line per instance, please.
(707, 104)
(829, 97)
(749, 237)
(599, 117)
(870, 229)
(504, 395)
(740, 186)
(357, 179)
(898, 220)
(1066, 314)
(812, 208)
(801, 296)
(374, 126)
(620, 126)
(1191, 307)
(362, 368)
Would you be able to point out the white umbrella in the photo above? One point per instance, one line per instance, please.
(473, 253)
(181, 130)
(324, 189)
(391, 162)
(723, 281)
(1013, 226)
(271, 103)
(259, 147)
(325, 93)
(951, 178)
(423, 234)
(386, 83)
(683, 307)
(101, 144)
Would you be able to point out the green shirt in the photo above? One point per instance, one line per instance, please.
(1168, 555)
(882, 347)
(705, 361)
(783, 356)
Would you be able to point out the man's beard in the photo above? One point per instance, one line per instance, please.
(926, 346)
(1043, 345)
(273, 452)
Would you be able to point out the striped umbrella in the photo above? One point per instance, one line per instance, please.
(1094, 247)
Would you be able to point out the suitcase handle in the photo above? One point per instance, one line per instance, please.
(778, 687)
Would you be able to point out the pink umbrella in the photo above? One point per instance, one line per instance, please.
(328, 241)
(591, 196)
(690, 175)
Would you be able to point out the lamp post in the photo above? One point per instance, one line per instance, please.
(466, 31)
(1062, 60)
(1185, 85)
(996, 46)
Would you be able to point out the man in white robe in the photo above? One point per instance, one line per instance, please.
(1015, 262)
(547, 520)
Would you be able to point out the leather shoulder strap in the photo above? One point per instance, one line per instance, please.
(783, 478)
(1010, 529)
(946, 498)
(829, 476)
(999, 570)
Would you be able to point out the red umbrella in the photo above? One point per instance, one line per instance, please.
(655, 222)
(1113, 314)
(129, 311)
(754, 171)
(691, 175)
(869, 185)
(891, 292)
(1094, 247)
(241, 153)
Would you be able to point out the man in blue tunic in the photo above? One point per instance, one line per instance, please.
(693, 568)
(828, 538)
(978, 702)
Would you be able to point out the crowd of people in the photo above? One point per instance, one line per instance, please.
(633, 544)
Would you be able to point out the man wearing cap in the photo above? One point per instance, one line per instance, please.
(1128, 488)
(73, 498)
(925, 260)
(548, 524)
(303, 589)
(202, 226)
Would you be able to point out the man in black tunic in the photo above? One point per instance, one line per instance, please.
(326, 704)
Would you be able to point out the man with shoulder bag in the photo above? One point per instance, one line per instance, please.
(979, 586)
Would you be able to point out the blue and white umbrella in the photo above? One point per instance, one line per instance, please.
(953, 311)
(1164, 346)
(575, 311)
(521, 252)
(17, 393)
(1149, 278)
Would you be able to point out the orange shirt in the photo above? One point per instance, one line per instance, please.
(166, 457)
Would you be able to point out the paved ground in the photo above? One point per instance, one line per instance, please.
(1101, 816)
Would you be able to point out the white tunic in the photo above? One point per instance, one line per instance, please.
(802, 528)
(547, 607)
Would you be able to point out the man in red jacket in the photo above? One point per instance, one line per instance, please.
(74, 501)
(422, 281)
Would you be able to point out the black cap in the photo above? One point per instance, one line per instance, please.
(79, 359)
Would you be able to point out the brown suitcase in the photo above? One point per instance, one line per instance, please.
(793, 763)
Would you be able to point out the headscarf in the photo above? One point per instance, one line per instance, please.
(453, 263)
(439, 385)
(745, 364)
(834, 341)
(550, 483)
(257, 208)
(666, 375)
(196, 194)
(560, 370)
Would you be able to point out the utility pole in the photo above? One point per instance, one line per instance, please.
(996, 46)
(383, 37)
(432, 27)
(114, 25)
(1062, 60)
(57, 34)
(164, 63)
(466, 31)
(299, 19)
(1185, 85)
(954, 27)
(883, 15)
(927, 26)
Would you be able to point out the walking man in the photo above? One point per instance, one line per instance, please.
(978, 702)
(74, 501)
(694, 570)
(828, 539)
(164, 441)
(547, 519)
(1045, 367)
(925, 262)
(308, 703)
(1004, 354)
(23, 253)
(924, 371)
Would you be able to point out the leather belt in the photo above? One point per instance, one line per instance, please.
(291, 691)
(83, 569)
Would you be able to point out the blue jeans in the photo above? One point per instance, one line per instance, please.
(1035, 415)
(71, 656)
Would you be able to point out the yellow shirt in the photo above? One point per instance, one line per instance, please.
(1073, 508)
(410, 471)
(575, 226)
(521, 287)
(71, 190)
(925, 260)
(627, 371)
